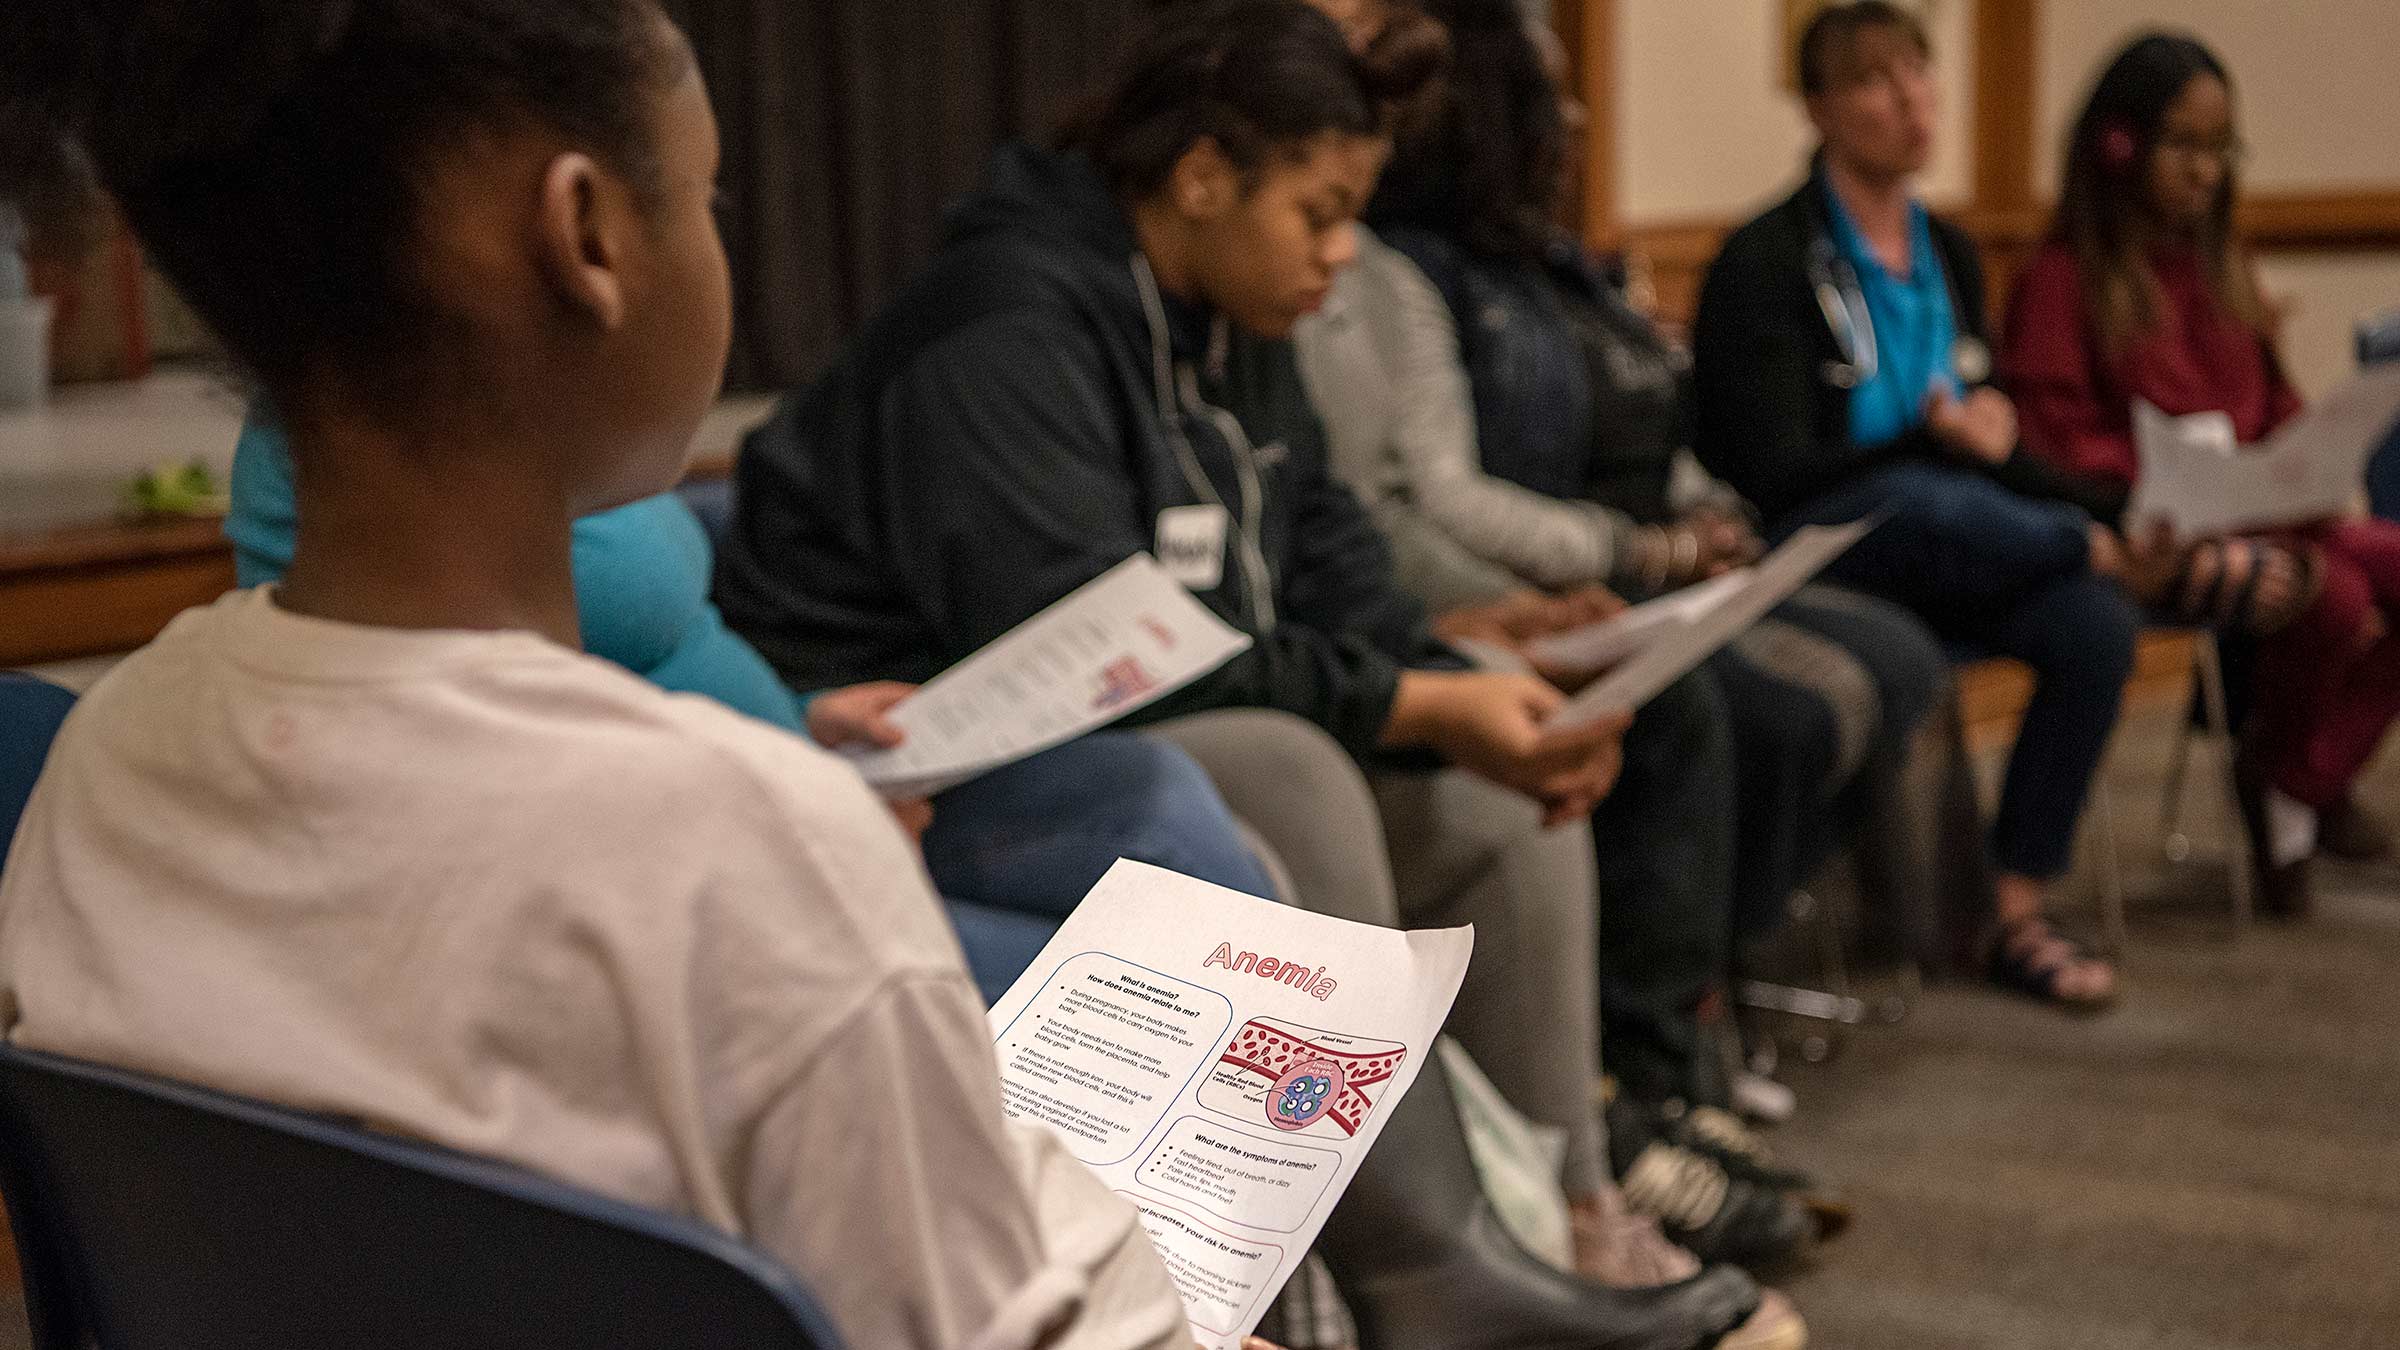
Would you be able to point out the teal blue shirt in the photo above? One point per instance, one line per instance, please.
(1915, 328)
(641, 583)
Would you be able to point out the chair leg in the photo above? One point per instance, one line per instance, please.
(2220, 726)
(2112, 872)
(2178, 845)
(1835, 1005)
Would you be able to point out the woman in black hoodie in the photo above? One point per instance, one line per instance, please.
(1096, 365)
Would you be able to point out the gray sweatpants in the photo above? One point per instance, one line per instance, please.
(1435, 850)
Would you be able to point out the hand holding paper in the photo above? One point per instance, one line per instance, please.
(1594, 647)
(1683, 643)
(1495, 724)
(1223, 1063)
(841, 719)
(2195, 478)
(1124, 641)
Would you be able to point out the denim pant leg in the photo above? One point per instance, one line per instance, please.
(2078, 636)
(1950, 539)
(1900, 654)
(1664, 843)
(2383, 477)
(1893, 838)
(999, 943)
(1035, 836)
(1787, 747)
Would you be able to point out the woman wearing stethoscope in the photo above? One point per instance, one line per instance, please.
(1841, 369)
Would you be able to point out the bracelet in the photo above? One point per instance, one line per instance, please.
(1656, 559)
(1687, 554)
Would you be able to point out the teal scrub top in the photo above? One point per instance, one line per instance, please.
(1915, 329)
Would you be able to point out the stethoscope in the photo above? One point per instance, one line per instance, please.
(1842, 301)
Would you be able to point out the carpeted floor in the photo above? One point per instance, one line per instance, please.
(2214, 1166)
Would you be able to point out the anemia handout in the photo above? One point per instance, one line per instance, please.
(1223, 1063)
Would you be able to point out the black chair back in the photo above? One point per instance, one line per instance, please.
(153, 1215)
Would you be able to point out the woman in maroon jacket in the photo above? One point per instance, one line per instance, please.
(2142, 292)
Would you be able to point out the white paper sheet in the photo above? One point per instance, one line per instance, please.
(1679, 646)
(1223, 1063)
(1125, 640)
(1596, 647)
(2195, 478)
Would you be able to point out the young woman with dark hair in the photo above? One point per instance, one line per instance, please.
(2144, 291)
(379, 841)
(1097, 358)
(1580, 420)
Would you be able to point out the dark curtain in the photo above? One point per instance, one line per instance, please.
(850, 124)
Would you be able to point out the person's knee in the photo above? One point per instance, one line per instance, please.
(1147, 773)
(1907, 664)
(1688, 722)
(1798, 736)
(1153, 803)
(1252, 751)
(2084, 630)
(2345, 605)
(1926, 501)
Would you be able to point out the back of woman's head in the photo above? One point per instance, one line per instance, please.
(1489, 164)
(2103, 209)
(270, 153)
(1257, 77)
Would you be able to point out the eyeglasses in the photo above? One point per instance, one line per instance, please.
(2229, 151)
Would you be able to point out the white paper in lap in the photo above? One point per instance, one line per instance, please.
(1601, 645)
(2196, 479)
(1125, 640)
(1223, 1063)
(1679, 646)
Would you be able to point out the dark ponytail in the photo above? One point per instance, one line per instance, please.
(1258, 77)
(267, 152)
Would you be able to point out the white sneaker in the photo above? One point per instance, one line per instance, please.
(1624, 1250)
(1777, 1325)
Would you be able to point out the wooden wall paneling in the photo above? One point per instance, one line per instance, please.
(106, 589)
(1675, 256)
(1588, 29)
(2342, 221)
(2007, 71)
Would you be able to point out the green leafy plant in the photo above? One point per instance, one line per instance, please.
(186, 490)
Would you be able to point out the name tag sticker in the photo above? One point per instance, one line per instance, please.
(1191, 545)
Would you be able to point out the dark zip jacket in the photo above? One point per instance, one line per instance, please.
(1011, 427)
(1773, 418)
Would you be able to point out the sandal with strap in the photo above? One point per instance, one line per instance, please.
(2030, 956)
(2221, 584)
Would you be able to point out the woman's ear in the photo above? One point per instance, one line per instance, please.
(1204, 184)
(584, 224)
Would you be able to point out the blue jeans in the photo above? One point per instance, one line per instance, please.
(1017, 849)
(2383, 477)
(1951, 538)
(1000, 945)
(1994, 573)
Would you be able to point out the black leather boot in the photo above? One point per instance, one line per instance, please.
(1426, 1264)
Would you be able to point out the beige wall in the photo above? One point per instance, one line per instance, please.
(1706, 128)
(2328, 294)
(2315, 78)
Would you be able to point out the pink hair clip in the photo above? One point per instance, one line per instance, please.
(2117, 146)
